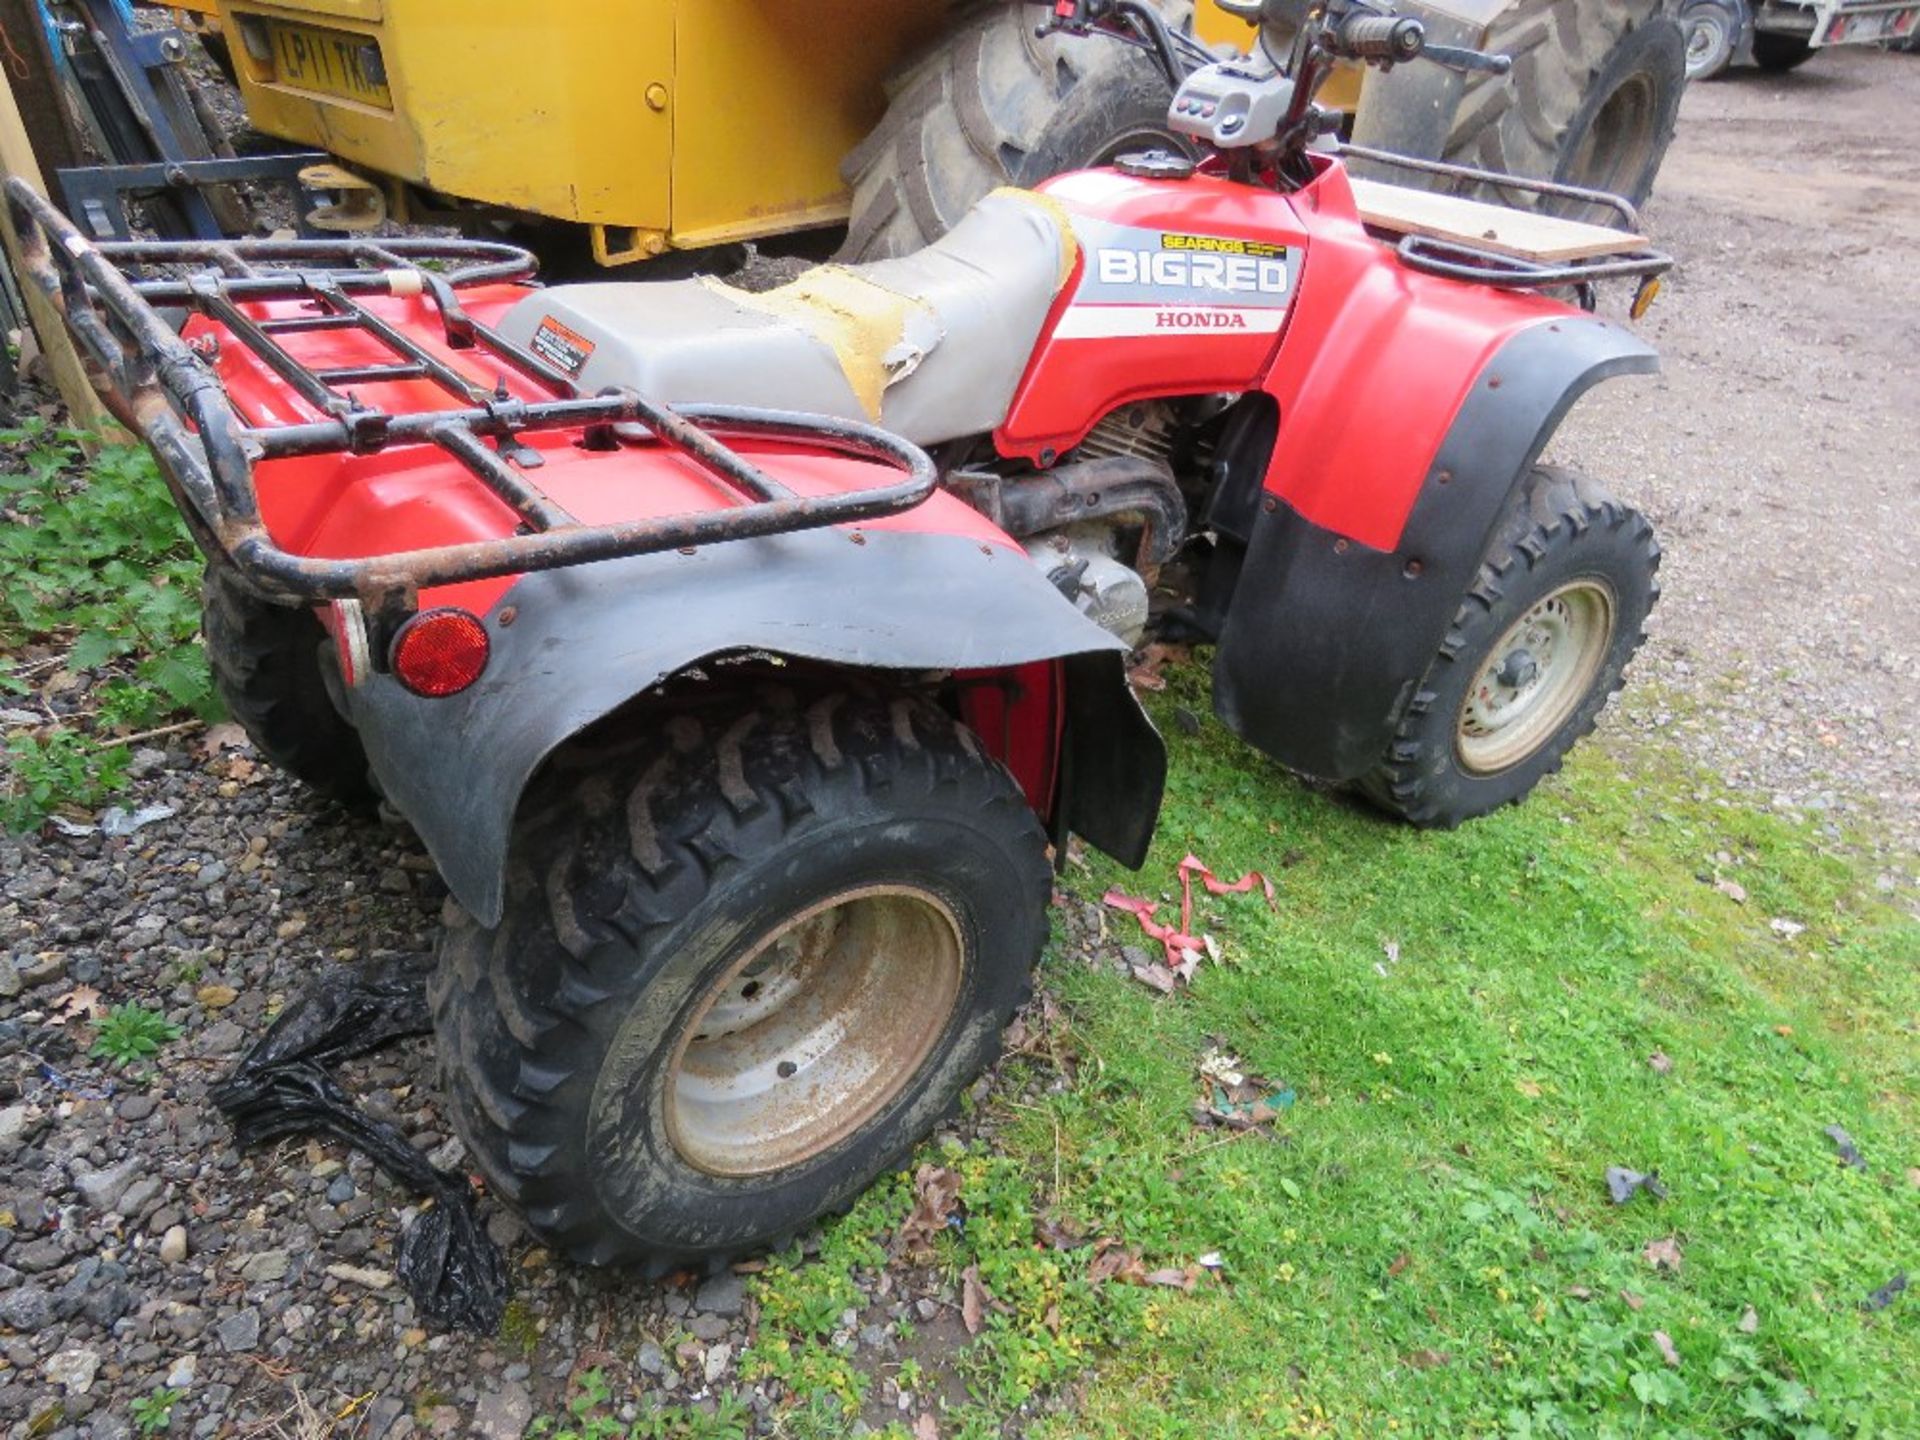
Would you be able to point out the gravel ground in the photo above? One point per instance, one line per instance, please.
(1775, 454)
(138, 1248)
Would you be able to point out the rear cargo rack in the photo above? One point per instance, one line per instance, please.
(160, 388)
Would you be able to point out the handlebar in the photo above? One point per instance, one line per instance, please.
(1391, 39)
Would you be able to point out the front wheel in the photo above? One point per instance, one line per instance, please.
(1535, 650)
(749, 958)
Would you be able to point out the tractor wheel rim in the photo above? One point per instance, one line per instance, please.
(1706, 33)
(1535, 677)
(815, 1031)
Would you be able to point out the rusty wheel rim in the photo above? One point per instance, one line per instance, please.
(815, 1031)
(1535, 677)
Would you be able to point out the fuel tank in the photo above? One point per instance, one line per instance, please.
(1182, 287)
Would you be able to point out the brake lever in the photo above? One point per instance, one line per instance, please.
(1461, 59)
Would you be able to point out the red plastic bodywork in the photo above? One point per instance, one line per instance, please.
(1370, 364)
(414, 497)
(1369, 369)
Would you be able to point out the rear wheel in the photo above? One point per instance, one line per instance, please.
(1537, 647)
(991, 105)
(1773, 51)
(266, 661)
(748, 959)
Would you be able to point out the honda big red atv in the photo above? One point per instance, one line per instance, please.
(738, 655)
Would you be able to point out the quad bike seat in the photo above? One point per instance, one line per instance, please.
(931, 345)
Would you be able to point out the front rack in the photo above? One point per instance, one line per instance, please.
(161, 389)
(1457, 260)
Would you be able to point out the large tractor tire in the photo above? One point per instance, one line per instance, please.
(1591, 100)
(266, 661)
(1535, 651)
(751, 953)
(994, 104)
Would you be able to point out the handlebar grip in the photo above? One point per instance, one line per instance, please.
(1391, 38)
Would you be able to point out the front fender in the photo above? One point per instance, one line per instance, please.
(583, 642)
(1327, 637)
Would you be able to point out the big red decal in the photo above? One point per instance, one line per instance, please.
(1156, 282)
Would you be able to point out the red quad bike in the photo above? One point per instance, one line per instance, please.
(738, 655)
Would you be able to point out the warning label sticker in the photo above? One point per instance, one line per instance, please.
(558, 345)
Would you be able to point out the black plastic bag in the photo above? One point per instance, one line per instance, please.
(449, 1265)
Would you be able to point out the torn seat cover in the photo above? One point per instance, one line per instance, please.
(931, 345)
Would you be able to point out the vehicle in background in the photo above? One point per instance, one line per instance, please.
(1784, 34)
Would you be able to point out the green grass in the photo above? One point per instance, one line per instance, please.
(1427, 1248)
(95, 565)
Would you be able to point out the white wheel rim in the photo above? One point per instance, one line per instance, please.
(815, 1031)
(1535, 678)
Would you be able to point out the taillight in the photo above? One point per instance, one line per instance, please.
(440, 652)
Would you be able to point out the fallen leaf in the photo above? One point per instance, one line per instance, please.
(82, 1002)
(1659, 1062)
(1428, 1359)
(1579, 1292)
(216, 997)
(936, 1193)
(1156, 976)
(224, 736)
(1528, 1088)
(1057, 1234)
(1788, 928)
(1664, 1342)
(1733, 890)
(1117, 1263)
(1749, 1321)
(1663, 1254)
(240, 768)
(925, 1427)
(973, 1299)
(1785, 1032)
(1173, 1279)
(1400, 1262)
(1913, 1176)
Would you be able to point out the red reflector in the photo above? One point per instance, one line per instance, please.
(440, 652)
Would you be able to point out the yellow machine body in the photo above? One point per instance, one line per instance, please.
(658, 124)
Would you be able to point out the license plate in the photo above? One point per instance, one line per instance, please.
(1845, 29)
(330, 62)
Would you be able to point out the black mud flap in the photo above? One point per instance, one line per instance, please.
(1326, 638)
(583, 642)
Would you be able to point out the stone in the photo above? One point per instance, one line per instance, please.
(14, 1120)
(43, 969)
(268, 1265)
(222, 1038)
(28, 1309)
(239, 1333)
(38, 1256)
(137, 1107)
(141, 1194)
(718, 1359)
(185, 1371)
(724, 1294)
(503, 1414)
(102, 1189)
(652, 1359)
(341, 1190)
(173, 1244)
(708, 1327)
(10, 982)
(72, 1369)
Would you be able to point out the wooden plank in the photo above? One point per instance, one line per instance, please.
(69, 375)
(1524, 234)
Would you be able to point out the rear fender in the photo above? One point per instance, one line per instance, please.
(1328, 634)
(570, 647)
